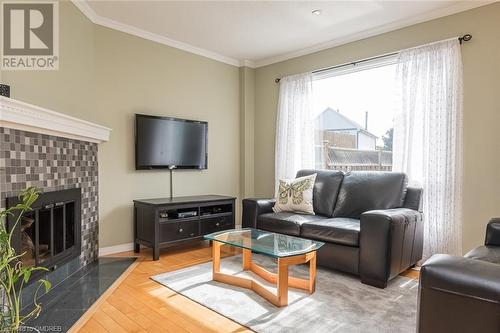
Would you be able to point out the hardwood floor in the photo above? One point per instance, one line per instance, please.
(135, 303)
(139, 304)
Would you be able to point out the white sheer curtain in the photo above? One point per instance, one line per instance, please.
(294, 128)
(428, 138)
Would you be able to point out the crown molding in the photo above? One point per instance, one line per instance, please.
(84, 7)
(19, 115)
(247, 63)
(459, 7)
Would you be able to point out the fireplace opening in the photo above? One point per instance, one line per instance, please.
(49, 234)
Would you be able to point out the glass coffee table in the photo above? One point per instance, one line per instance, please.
(288, 250)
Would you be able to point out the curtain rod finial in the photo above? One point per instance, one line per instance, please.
(277, 80)
(465, 38)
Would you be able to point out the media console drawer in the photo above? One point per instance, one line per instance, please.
(178, 230)
(213, 224)
(166, 222)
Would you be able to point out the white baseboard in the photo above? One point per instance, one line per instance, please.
(104, 251)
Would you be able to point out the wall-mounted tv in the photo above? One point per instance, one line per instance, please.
(164, 142)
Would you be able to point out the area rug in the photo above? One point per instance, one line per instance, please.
(341, 302)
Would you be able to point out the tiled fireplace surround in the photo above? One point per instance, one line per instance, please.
(33, 156)
(52, 163)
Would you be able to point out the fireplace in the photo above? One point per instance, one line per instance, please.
(49, 234)
(51, 151)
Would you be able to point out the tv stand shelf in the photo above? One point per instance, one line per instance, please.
(166, 222)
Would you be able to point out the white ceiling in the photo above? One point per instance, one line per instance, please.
(257, 33)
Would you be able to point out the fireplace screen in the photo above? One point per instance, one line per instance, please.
(49, 234)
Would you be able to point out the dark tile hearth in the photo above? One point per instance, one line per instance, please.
(69, 300)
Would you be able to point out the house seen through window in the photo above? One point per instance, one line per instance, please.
(354, 117)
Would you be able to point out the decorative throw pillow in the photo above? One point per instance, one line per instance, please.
(296, 195)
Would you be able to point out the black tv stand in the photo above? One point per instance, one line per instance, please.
(167, 222)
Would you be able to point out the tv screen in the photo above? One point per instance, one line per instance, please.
(162, 142)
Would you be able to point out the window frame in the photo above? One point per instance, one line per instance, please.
(354, 67)
(350, 68)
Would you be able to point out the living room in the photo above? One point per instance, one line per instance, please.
(142, 132)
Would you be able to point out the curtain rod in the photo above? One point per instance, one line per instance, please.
(464, 38)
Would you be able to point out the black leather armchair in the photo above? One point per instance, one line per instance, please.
(462, 294)
(371, 222)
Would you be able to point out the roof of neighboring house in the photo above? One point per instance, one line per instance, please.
(332, 120)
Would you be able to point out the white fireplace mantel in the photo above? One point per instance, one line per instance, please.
(27, 117)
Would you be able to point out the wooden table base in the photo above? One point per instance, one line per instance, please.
(282, 280)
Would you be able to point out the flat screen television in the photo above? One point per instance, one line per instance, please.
(164, 142)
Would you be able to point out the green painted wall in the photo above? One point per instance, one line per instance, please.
(106, 76)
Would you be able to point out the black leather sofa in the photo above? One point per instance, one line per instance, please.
(370, 221)
(462, 294)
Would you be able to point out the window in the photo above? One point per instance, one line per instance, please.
(354, 116)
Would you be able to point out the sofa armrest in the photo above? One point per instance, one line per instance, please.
(413, 198)
(458, 294)
(390, 241)
(493, 232)
(463, 276)
(252, 208)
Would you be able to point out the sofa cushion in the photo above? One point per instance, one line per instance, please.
(339, 230)
(326, 189)
(285, 222)
(485, 253)
(362, 191)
